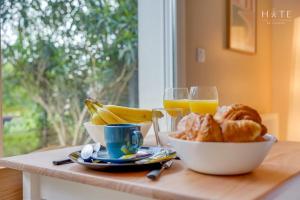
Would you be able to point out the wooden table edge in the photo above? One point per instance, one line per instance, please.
(108, 183)
(278, 187)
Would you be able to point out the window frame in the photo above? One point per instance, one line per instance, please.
(161, 59)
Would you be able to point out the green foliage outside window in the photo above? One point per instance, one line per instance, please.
(55, 54)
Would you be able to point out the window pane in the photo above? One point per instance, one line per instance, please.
(55, 54)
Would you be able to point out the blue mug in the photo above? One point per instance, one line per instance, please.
(122, 139)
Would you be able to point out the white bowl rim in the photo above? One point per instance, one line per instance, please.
(269, 138)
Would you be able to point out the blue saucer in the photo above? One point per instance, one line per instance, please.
(104, 157)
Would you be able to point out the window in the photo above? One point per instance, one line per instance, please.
(55, 54)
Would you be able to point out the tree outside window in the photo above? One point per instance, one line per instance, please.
(54, 55)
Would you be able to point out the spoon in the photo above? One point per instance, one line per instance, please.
(86, 153)
(89, 149)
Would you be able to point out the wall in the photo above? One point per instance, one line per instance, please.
(239, 77)
(283, 68)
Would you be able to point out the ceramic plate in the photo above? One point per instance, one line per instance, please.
(100, 165)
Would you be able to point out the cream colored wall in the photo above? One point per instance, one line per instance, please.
(239, 77)
(283, 68)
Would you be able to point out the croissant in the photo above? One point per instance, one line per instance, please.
(260, 139)
(209, 130)
(199, 128)
(188, 127)
(239, 112)
(241, 131)
(205, 128)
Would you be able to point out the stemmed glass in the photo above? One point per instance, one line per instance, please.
(165, 121)
(203, 99)
(177, 98)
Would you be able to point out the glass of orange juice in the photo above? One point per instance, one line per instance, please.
(177, 98)
(204, 99)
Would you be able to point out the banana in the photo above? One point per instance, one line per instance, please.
(109, 117)
(135, 115)
(112, 114)
(97, 120)
(130, 114)
(100, 115)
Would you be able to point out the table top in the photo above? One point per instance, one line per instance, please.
(178, 182)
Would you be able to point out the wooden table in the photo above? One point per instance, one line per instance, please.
(277, 178)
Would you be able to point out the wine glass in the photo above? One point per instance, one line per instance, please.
(203, 99)
(177, 98)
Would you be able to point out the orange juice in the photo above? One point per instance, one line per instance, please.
(178, 103)
(203, 106)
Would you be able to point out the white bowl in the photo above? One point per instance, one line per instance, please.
(222, 158)
(96, 132)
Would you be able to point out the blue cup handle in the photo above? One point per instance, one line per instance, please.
(136, 140)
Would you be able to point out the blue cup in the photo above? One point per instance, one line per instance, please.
(122, 139)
